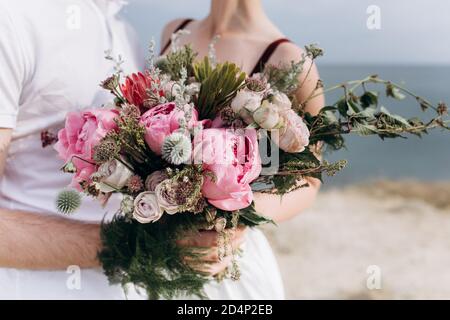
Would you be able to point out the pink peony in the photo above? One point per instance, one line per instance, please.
(234, 161)
(84, 172)
(163, 120)
(135, 89)
(82, 132)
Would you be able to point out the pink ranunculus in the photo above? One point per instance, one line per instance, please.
(163, 120)
(82, 132)
(233, 158)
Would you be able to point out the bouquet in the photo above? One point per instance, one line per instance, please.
(187, 142)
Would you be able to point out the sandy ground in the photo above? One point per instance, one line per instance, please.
(401, 228)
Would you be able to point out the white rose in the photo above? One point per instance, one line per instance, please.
(146, 208)
(282, 101)
(114, 176)
(246, 99)
(267, 117)
(165, 200)
(154, 179)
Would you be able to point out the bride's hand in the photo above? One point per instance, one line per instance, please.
(210, 263)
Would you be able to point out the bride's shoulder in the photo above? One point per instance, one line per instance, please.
(170, 27)
(287, 52)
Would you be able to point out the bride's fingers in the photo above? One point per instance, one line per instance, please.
(217, 268)
(204, 239)
(209, 255)
(212, 268)
(208, 239)
(212, 254)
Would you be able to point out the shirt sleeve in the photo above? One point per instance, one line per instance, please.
(12, 71)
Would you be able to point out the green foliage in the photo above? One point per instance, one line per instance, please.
(299, 161)
(130, 140)
(203, 70)
(175, 62)
(219, 86)
(251, 218)
(294, 168)
(369, 99)
(361, 114)
(285, 183)
(326, 128)
(284, 77)
(148, 256)
(295, 162)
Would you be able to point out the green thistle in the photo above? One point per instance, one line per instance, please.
(177, 149)
(68, 201)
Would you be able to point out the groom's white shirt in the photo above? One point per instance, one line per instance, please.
(51, 62)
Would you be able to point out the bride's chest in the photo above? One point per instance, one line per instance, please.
(243, 52)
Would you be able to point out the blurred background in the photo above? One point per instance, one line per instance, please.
(379, 229)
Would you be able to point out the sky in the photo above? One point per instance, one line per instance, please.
(407, 31)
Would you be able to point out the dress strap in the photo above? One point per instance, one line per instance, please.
(267, 55)
(180, 27)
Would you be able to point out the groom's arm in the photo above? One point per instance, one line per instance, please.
(39, 241)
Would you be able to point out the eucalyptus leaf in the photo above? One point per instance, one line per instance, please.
(369, 99)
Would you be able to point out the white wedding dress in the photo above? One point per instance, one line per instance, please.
(48, 70)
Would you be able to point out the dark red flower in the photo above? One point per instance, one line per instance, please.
(137, 90)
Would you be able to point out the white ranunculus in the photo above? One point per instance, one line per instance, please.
(268, 116)
(282, 101)
(115, 176)
(146, 208)
(246, 99)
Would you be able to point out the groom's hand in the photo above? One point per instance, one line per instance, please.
(210, 262)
